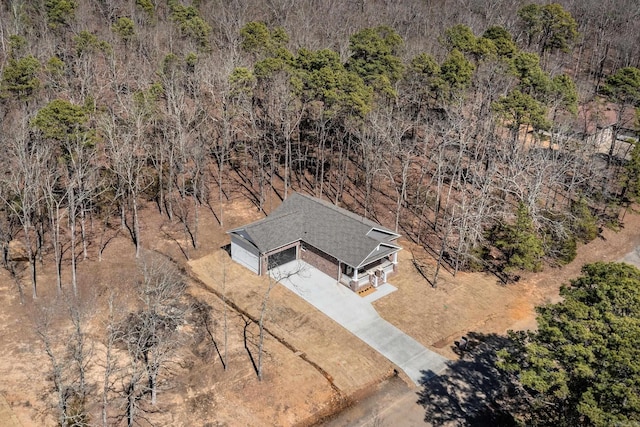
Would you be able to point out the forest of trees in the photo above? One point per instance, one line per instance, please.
(468, 126)
(462, 127)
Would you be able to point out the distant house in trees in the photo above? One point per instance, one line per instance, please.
(598, 120)
(353, 250)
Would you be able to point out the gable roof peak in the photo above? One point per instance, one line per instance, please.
(338, 232)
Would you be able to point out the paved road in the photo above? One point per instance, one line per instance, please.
(633, 257)
(359, 317)
(393, 404)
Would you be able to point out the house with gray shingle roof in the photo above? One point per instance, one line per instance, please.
(354, 250)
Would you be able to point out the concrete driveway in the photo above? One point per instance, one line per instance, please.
(360, 318)
(633, 257)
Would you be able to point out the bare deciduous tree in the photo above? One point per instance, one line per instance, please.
(276, 275)
(70, 355)
(127, 152)
(24, 196)
(151, 333)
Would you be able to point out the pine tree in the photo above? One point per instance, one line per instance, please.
(520, 243)
(581, 366)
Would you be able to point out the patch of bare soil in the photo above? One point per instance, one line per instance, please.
(312, 366)
(24, 367)
(479, 302)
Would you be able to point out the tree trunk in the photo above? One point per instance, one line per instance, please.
(169, 197)
(72, 229)
(160, 171)
(220, 194)
(108, 364)
(33, 261)
(131, 402)
(153, 386)
(136, 224)
(263, 312)
(224, 311)
(83, 231)
(196, 217)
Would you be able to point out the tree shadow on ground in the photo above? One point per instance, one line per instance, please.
(471, 391)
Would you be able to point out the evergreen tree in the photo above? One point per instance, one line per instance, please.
(582, 365)
(517, 109)
(457, 72)
(501, 38)
(374, 58)
(60, 12)
(322, 77)
(584, 224)
(520, 243)
(564, 94)
(20, 77)
(532, 78)
(623, 87)
(61, 119)
(550, 26)
(422, 83)
(257, 38)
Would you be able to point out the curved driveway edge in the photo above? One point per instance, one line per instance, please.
(632, 257)
(360, 318)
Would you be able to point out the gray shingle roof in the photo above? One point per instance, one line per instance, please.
(344, 235)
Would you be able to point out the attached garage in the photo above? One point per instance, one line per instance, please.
(283, 257)
(245, 253)
(320, 233)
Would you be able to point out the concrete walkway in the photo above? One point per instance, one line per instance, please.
(360, 318)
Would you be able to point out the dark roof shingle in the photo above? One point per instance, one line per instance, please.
(333, 230)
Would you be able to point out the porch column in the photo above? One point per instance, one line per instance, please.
(355, 274)
(395, 258)
(264, 268)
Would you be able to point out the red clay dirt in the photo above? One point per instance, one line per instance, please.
(312, 367)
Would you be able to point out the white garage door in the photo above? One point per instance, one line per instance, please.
(244, 257)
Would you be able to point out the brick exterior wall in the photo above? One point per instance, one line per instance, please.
(323, 262)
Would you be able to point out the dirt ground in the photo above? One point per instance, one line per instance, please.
(311, 366)
(475, 302)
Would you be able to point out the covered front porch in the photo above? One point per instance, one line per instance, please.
(375, 273)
